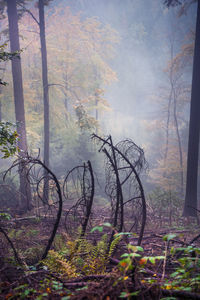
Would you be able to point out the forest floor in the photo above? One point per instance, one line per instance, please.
(155, 270)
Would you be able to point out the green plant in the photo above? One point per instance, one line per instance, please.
(8, 139)
(49, 288)
(32, 233)
(89, 258)
(56, 262)
(21, 292)
(186, 275)
(80, 256)
(5, 216)
(16, 233)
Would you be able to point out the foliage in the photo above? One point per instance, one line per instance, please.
(8, 136)
(46, 288)
(184, 275)
(4, 56)
(85, 122)
(5, 216)
(8, 139)
(84, 47)
(187, 269)
(83, 258)
(56, 262)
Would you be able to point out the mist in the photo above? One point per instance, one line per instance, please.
(99, 149)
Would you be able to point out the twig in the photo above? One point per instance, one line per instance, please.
(89, 277)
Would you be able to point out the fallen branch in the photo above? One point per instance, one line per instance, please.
(89, 277)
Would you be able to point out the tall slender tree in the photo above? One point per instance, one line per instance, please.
(45, 92)
(19, 100)
(45, 84)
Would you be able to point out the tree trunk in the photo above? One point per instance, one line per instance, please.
(0, 105)
(45, 96)
(19, 100)
(194, 130)
(179, 145)
(1, 93)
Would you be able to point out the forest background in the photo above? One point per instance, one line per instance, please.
(111, 70)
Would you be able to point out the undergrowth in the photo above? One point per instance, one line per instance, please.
(137, 275)
(81, 257)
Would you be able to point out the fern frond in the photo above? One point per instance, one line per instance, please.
(55, 262)
(113, 245)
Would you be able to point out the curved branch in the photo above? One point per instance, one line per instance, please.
(106, 141)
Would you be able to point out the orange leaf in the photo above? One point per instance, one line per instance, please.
(123, 264)
(142, 261)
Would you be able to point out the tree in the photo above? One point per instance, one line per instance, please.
(72, 57)
(175, 92)
(45, 92)
(190, 206)
(41, 24)
(194, 131)
(18, 98)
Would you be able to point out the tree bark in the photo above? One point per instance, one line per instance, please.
(179, 146)
(45, 95)
(194, 130)
(19, 101)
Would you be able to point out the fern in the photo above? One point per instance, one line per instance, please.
(83, 257)
(113, 245)
(58, 264)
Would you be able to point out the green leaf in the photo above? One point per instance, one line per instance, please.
(97, 228)
(135, 255)
(107, 224)
(160, 257)
(123, 233)
(140, 248)
(187, 289)
(124, 295)
(152, 260)
(125, 255)
(169, 236)
(134, 293)
(5, 216)
(27, 292)
(174, 274)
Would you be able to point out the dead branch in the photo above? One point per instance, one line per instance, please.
(126, 160)
(28, 163)
(79, 187)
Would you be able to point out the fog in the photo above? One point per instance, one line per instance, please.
(134, 77)
(142, 55)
